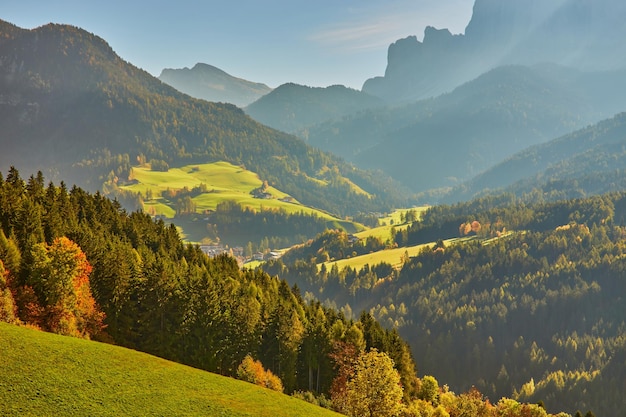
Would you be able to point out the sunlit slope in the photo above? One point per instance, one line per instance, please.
(43, 374)
(223, 181)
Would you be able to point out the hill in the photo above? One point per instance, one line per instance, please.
(443, 141)
(209, 83)
(292, 107)
(586, 162)
(580, 34)
(72, 108)
(47, 374)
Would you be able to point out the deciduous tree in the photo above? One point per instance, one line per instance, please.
(374, 390)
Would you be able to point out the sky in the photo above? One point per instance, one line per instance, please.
(314, 43)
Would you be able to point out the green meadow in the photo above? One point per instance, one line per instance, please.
(44, 374)
(393, 221)
(223, 182)
(394, 257)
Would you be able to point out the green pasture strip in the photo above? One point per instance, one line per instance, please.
(381, 232)
(390, 256)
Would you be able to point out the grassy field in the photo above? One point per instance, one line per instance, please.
(390, 256)
(224, 182)
(49, 375)
(388, 223)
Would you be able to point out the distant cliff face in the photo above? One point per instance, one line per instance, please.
(585, 34)
(212, 84)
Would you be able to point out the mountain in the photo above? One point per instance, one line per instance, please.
(583, 34)
(209, 83)
(69, 106)
(586, 162)
(293, 107)
(442, 141)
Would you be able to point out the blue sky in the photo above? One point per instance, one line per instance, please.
(314, 43)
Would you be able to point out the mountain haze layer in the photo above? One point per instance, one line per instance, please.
(579, 33)
(586, 162)
(451, 138)
(209, 83)
(292, 107)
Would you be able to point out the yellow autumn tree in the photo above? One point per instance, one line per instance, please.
(375, 389)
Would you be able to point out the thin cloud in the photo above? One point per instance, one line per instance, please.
(365, 35)
(373, 30)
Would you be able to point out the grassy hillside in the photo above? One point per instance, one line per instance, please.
(222, 181)
(46, 374)
(393, 257)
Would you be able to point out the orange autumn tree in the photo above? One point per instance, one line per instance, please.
(60, 281)
(252, 371)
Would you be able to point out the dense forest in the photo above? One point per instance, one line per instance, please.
(262, 230)
(155, 294)
(78, 264)
(525, 300)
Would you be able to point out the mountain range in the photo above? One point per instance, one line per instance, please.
(71, 107)
(209, 83)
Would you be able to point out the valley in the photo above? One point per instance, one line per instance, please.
(455, 228)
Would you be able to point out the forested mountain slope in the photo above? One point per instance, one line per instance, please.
(586, 162)
(528, 302)
(72, 108)
(292, 108)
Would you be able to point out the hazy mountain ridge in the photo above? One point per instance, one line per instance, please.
(209, 83)
(586, 162)
(292, 107)
(437, 142)
(72, 108)
(577, 33)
